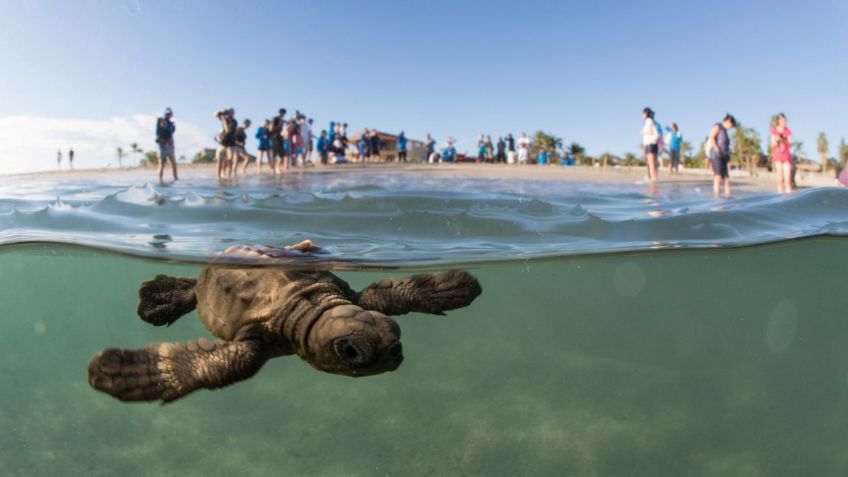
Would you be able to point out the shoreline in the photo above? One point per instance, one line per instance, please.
(765, 181)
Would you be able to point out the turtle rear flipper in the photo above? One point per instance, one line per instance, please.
(169, 371)
(164, 299)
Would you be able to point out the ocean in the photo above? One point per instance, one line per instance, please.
(618, 332)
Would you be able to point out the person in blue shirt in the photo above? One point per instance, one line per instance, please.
(542, 157)
(165, 139)
(360, 147)
(263, 135)
(673, 144)
(449, 152)
(323, 147)
(401, 147)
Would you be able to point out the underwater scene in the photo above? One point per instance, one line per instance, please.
(618, 331)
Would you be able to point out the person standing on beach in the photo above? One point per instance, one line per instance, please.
(430, 149)
(650, 142)
(523, 149)
(262, 135)
(240, 149)
(401, 146)
(500, 156)
(165, 128)
(510, 149)
(59, 158)
(309, 137)
(375, 145)
(781, 155)
(673, 145)
(720, 154)
(71, 159)
(276, 136)
(323, 147)
(226, 141)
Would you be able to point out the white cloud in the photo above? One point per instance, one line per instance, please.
(30, 143)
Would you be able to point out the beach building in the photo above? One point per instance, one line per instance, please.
(388, 147)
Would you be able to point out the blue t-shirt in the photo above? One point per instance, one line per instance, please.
(674, 139)
(401, 143)
(449, 154)
(542, 157)
(262, 136)
(322, 145)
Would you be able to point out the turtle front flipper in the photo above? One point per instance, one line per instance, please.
(169, 371)
(432, 293)
(164, 299)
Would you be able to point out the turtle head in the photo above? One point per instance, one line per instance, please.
(354, 342)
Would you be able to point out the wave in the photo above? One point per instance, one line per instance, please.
(396, 220)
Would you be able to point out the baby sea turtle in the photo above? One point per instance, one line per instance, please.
(262, 313)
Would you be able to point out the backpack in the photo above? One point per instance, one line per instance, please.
(163, 133)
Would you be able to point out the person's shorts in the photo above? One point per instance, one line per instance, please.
(166, 152)
(651, 148)
(238, 150)
(674, 156)
(309, 146)
(782, 158)
(223, 153)
(263, 147)
(720, 164)
(298, 150)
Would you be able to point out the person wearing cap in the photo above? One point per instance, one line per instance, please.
(165, 128)
(719, 141)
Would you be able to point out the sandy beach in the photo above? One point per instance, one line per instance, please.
(765, 181)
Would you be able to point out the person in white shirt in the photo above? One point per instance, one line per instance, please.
(523, 149)
(650, 140)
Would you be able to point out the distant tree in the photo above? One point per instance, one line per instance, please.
(823, 148)
(578, 152)
(685, 149)
(151, 158)
(548, 142)
(748, 148)
(121, 154)
(204, 156)
(630, 159)
(843, 153)
(134, 149)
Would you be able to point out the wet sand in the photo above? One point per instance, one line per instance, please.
(765, 181)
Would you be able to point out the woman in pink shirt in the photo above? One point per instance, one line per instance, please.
(781, 142)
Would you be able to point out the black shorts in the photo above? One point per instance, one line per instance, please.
(651, 149)
(719, 164)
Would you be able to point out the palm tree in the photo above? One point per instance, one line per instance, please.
(823, 148)
(120, 153)
(134, 149)
(576, 151)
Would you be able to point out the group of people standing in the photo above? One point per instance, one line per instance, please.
(717, 148)
(70, 158)
(504, 152)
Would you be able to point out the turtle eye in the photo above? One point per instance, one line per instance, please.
(349, 352)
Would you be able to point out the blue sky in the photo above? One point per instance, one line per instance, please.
(581, 70)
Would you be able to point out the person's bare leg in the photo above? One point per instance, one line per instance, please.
(716, 186)
(652, 166)
(787, 177)
(727, 186)
(174, 167)
(160, 165)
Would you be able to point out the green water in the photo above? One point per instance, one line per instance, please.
(730, 362)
